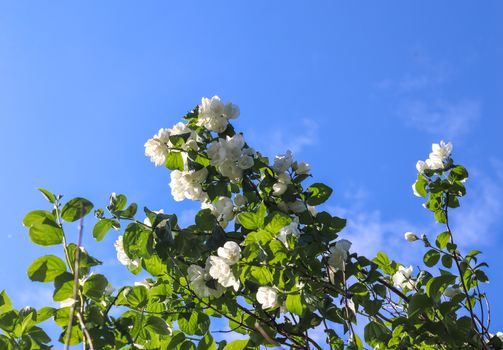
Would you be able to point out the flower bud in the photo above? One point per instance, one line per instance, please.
(410, 236)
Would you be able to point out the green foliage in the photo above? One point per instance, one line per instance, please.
(256, 257)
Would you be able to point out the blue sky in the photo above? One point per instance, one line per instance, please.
(360, 91)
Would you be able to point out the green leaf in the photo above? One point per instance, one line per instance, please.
(447, 261)
(138, 241)
(276, 221)
(157, 325)
(48, 195)
(237, 345)
(383, 262)
(319, 193)
(248, 220)
(437, 285)
(63, 287)
(135, 297)
(95, 285)
(45, 313)
(420, 185)
(261, 274)
(205, 220)
(101, 228)
(295, 304)
(174, 161)
(5, 303)
(46, 234)
(38, 217)
(154, 265)
(431, 258)
(442, 239)
(194, 323)
(418, 303)
(75, 209)
(46, 268)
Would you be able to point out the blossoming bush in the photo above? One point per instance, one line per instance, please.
(260, 256)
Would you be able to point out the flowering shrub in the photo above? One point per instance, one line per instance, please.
(259, 255)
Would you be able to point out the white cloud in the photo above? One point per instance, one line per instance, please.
(293, 136)
(442, 118)
(480, 211)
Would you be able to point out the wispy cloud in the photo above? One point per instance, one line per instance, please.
(293, 137)
(475, 222)
(441, 118)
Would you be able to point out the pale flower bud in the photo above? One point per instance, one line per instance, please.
(410, 236)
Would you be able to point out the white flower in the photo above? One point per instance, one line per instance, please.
(434, 164)
(187, 184)
(122, 256)
(221, 271)
(230, 252)
(214, 115)
(157, 147)
(339, 254)
(267, 297)
(66, 303)
(410, 236)
(245, 162)
(223, 210)
(240, 200)
(147, 222)
(402, 278)
(231, 170)
(421, 166)
(282, 162)
(297, 207)
(198, 278)
(301, 168)
(290, 229)
(450, 291)
(500, 335)
(440, 151)
(279, 188)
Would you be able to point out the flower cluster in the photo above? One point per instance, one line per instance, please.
(402, 278)
(214, 115)
(439, 153)
(217, 275)
(267, 297)
(230, 156)
(188, 184)
(157, 148)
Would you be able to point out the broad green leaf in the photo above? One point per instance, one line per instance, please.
(157, 325)
(420, 185)
(319, 193)
(63, 287)
(101, 228)
(46, 268)
(75, 209)
(194, 323)
(248, 220)
(276, 221)
(174, 161)
(295, 304)
(431, 258)
(38, 217)
(442, 239)
(45, 313)
(154, 265)
(418, 303)
(95, 285)
(46, 234)
(138, 241)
